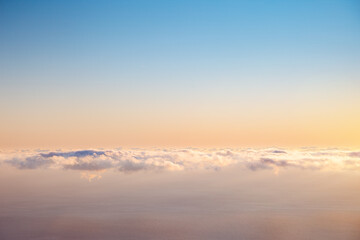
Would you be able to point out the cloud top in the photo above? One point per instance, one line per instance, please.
(133, 160)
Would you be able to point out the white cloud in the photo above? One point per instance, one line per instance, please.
(132, 160)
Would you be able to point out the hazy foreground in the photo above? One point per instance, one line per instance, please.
(180, 194)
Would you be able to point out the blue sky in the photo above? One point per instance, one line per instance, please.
(153, 53)
(155, 40)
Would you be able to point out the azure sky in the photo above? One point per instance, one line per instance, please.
(179, 73)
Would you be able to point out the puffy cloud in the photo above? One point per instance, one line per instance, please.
(133, 160)
(266, 163)
(32, 162)
(92, 165)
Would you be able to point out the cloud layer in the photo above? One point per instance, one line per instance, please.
(133, 160)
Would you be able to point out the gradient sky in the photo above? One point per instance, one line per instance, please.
(179, 73)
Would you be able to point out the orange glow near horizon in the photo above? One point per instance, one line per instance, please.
(187, 128)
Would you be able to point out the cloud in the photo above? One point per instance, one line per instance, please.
(134, 160)
(95, 165)
(32, 162)
(354, 154)
(91, 176)
(279, 151)
(82, 153)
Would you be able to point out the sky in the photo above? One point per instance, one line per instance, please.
(179, 73)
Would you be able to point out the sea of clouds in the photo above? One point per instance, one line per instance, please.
(133, 160)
